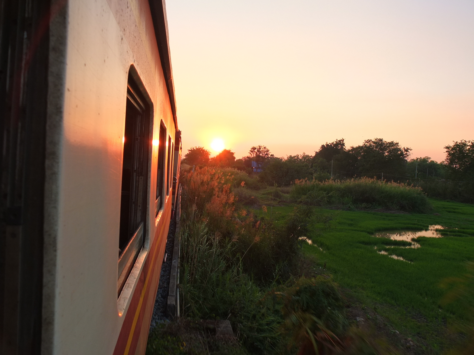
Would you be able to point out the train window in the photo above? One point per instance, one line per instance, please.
(172, 167)
(160, 174)
(133, 204)
(169, 167)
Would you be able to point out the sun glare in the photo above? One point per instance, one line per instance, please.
(217, 145)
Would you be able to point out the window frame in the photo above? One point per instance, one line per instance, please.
(160, 169)
(168, 167)
(138, 131)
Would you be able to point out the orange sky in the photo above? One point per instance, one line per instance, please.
(294, 75)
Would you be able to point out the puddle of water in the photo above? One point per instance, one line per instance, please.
(396, 257)
(307, 240)
(310, 242)
(408, 236)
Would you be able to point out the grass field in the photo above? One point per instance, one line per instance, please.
(408, 294)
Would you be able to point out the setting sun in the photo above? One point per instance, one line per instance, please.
(217, 145)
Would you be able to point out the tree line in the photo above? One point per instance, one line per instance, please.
(199, 156)
(374, 158)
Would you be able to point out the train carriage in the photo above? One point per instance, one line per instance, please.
(89, 163)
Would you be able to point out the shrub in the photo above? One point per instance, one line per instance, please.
(284, 172)
(213, 283)
(268, 251)
(215, 287)
(363, 192)
(242, 179)
(314, 316)
(245, 197)
(207, 195)
(447, 190)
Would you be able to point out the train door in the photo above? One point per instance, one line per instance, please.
(24, 58)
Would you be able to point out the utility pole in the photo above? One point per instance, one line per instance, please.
(332, 163)
(416, 170)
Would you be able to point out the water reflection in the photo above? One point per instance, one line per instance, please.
(310, 242)
(408, 236)
(396, 257)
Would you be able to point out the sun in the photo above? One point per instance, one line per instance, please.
(217, 145)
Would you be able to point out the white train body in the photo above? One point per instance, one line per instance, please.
(108, 64)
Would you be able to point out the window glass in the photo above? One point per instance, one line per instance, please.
(168, 166)
(133, 203)
(172, 167)
(160, 174)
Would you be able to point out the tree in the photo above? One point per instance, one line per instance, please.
(260, 154)
(460, 159)
(344, 165)
(334, 158)
(376, 156)
(285, 171)
(423, 168)
(197, 156)
(226, 158)
(329, 150)
(240, 165)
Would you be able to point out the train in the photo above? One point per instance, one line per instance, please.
(90, 161)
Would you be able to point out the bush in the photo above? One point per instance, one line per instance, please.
(318, 297)
(207, 195)
(245, 197)
(213, 283)
(242, 179)
(284, 172)
(213, 286)
(447, 190)
(314, 316)
(270, 252)
(362, 192)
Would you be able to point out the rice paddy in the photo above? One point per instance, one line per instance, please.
(406, 288)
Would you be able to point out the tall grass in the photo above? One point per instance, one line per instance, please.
(227, 256)
(213, 287)
(264, 250)
(364, 192)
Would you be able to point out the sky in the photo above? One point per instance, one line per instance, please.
(292, 75)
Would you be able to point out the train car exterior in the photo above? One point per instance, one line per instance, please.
(90, 159)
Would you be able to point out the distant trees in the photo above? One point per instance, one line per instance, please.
(197, 156)
(260, 154)
(425, 168)
(334, 160)
(329, 150)
(200, 156)
(460, 160)
(285, 171)
(452, 179)
(226, 158)
(457, 173)
(377, 156)
(373, 158)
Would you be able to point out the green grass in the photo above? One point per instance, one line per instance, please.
(408, 294)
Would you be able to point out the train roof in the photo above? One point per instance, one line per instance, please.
(158, 14)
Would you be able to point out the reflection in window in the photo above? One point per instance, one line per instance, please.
(160, 173)
(133, 204)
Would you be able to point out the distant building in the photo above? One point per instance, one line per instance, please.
(257, 167)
